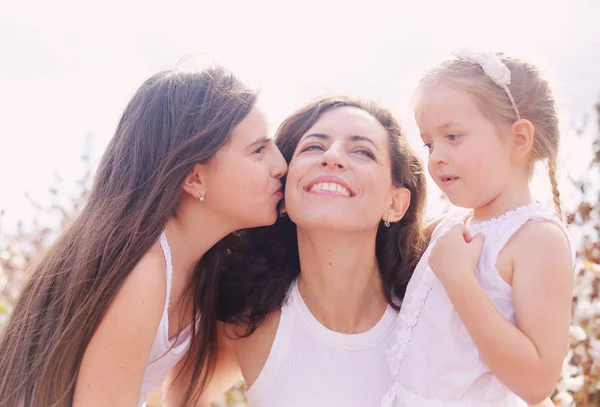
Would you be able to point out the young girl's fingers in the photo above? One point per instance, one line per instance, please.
(467, 235)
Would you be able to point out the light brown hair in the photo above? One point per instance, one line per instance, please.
(533, 96)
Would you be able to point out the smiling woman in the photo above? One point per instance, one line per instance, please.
(335, 159)
(320, 288)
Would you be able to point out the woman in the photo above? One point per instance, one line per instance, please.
(354, 194)
(314, 297)
(120, 297)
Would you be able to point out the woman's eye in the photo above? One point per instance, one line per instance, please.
(366, 153)
(311, 147)
(259, 150)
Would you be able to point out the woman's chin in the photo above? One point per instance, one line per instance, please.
(330, 221)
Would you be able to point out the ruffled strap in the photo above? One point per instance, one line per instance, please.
(407, 320)
(413, 306)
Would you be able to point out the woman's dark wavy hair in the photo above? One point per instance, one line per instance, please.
(263, 264)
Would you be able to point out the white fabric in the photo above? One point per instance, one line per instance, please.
(162, 356)
(310, 365)
(165, 353)
(434, 360)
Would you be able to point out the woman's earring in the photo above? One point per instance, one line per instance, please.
(201, 198)
(387, 222)
(281, 209)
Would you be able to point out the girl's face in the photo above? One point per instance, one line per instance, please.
(243, 181)
(469, 158)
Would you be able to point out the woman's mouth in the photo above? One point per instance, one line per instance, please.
(330, 188)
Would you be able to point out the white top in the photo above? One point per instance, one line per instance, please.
(434, 360)
(310, 365)
(165, 353)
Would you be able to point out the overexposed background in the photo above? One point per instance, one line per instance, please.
(67, 68)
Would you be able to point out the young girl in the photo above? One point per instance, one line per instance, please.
(120, 297)
(486, 314)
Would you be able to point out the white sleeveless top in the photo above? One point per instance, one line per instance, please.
(310, 365)
(165, 353)
(162, 356)
(434, 360)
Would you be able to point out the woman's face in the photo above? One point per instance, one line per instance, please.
(339, 177)
(244, 179)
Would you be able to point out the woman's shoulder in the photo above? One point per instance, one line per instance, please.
(253, 349)
(149, 273)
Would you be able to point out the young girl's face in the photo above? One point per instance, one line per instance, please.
(469, 157)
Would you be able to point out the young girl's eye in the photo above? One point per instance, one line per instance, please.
(428, 146)
(453, 136)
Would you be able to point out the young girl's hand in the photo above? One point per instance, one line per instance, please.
(455, 254)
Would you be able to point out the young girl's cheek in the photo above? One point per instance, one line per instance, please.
(473, 158)
(477, 164)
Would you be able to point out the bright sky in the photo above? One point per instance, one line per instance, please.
(67, 68)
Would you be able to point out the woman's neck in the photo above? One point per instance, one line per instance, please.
(340, 281)
(191, 233)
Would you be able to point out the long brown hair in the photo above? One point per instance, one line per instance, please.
(174, 121)
(259, 272)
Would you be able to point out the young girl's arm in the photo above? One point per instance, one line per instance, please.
(114, 362)
(527, 357)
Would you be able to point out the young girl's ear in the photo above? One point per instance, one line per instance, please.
(523, 133)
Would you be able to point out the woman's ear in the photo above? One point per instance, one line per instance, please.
(399, 203)
(194, 183)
